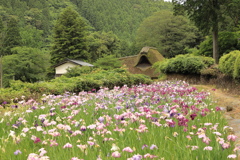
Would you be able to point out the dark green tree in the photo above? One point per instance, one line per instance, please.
(168, 33)
(12, 38)
(69, 37)
(206, 14)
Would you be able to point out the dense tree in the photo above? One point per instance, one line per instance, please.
(168, 33)
(32, 37)
(69, 37)
(12, 38)
(206, 15)
(102, 43)
(26, 64)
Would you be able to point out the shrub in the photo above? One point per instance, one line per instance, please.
(60, 85)
(78, 71)
(227, 62)
(212, 71)
(9, 96)
(236, 71)
(184, 64)
(108, 62)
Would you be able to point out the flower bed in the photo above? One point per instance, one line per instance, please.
(164, 120)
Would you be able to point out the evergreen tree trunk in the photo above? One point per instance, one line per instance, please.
(216, 8)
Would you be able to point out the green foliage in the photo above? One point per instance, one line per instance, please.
(12, 38)
(108, 62)
(212, 71)
(227, 63)
(102, 43)
(236, 71)
(122, 17)
(32, 37)
(11, 95)
(69, 37)
(86, 82)
(184, 64)
(78, 71)
(26, 64)
(228, 41)
(1, 34)
(207, 16)
(233, 12)
(168, 33)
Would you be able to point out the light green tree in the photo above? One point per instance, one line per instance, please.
(26, 64)
(102, 43)
(168, 33)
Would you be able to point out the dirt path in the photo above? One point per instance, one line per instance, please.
(231, 104)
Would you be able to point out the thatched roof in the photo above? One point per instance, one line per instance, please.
(143, 61)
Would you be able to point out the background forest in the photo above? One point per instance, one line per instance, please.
(32, 32)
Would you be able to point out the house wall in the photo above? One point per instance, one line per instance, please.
(62, 69)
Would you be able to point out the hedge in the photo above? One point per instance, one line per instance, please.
(229, 64)
(184, 64)
(61, 85)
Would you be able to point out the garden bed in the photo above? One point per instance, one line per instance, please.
(164, 120)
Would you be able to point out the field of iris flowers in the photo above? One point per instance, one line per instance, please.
(168, 120)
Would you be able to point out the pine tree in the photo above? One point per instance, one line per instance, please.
(12, 38)
(69, 37)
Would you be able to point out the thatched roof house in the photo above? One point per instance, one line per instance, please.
(143, 61)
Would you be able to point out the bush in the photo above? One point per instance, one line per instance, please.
(108, 62)
(60, 85)
(236, 71)
(212, 71)
(227, 63)
(184, 64)
(9, 96)
(78, 71)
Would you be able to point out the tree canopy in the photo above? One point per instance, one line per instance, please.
(168, 33)
(206, 15)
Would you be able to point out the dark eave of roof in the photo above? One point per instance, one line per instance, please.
(77, 62)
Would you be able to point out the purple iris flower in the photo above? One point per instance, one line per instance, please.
(101, 119)
(17, 152)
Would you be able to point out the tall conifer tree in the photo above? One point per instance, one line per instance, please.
(12, 38)
(69, 37)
